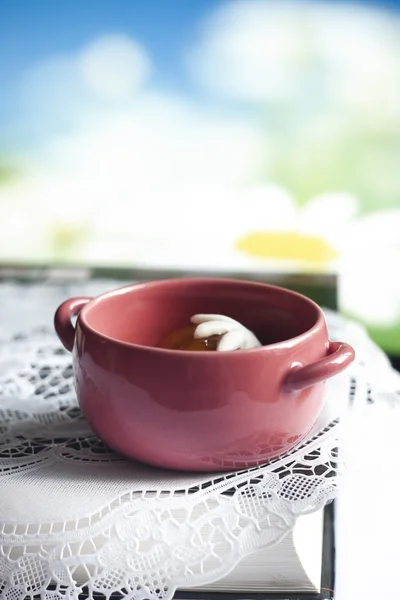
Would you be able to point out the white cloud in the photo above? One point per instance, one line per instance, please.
(270, 50)
(114, 67)
(68, 91)
(160, 140)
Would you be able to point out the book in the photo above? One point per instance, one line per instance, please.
(292, 565)
(299, 567)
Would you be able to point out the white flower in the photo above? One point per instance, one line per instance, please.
(369, 286)
(234, 336)
(270, 231)
(44, 216)
(221, 228)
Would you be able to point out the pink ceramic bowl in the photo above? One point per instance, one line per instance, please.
(199, 411)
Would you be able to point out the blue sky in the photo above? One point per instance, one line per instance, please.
(32, 30)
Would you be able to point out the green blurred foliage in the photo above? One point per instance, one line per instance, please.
(7, 172)
(314, 157)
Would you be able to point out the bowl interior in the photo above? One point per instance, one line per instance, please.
(144, 313)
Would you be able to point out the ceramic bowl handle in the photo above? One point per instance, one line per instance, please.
(62, 319)
(340, 356)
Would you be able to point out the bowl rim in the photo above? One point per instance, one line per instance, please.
(281, 345)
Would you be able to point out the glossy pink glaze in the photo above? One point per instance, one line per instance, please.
(199, 411)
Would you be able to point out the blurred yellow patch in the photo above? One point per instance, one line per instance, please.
(66, 238)
(286, 245)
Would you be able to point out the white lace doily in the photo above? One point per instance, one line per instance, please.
(75, 516)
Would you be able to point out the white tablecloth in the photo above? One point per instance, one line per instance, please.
(367, 513)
